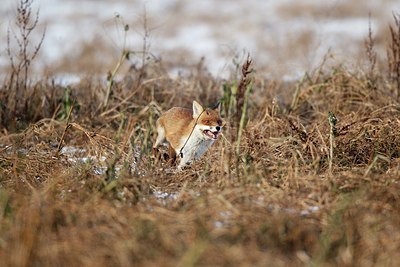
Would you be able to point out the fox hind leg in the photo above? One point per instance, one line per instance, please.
(172, 155)
(160, 138)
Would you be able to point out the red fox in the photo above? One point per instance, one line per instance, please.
(190, 133)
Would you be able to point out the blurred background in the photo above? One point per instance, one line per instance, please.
(284, 37)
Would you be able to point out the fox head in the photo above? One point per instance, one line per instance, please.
(209, 121)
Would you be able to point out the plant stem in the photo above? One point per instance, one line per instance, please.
(121, 60)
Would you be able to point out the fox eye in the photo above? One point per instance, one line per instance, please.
(206, 122)
(219, 122)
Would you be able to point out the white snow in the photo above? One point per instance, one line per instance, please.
(189, 30)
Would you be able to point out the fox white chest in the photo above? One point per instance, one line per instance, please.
(194, 148)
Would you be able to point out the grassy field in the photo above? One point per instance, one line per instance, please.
(307, 173)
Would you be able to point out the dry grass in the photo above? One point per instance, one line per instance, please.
(275, 201)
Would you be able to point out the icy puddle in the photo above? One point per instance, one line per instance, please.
(79, 155)
(99, 163)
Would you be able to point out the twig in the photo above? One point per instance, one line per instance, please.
(111, 76)
(68, 125)
(333, 132)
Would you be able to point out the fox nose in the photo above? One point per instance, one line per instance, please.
(218, 128)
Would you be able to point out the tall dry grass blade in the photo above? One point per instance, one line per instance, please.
(393, 53)
(111, 77)
(243, 117)
(244, 82)
(296, 94)
(67, 126)
(374, 162)
(369, 44)
(332, 134)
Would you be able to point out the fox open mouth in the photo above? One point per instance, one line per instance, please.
(210, 134)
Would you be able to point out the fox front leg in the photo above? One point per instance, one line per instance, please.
(185, 160)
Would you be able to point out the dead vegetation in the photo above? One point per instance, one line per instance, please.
(287, 185)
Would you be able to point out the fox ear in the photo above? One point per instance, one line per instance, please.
(197, 109)
(217, 107)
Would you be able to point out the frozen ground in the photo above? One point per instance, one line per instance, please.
(284, 37)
